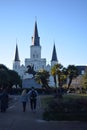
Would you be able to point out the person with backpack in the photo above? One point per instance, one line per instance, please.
(33, 98)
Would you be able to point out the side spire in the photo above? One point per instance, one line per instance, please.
(16, 54)
(54, 55)
(35, 38)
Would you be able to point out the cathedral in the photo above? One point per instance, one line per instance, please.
(35, 59)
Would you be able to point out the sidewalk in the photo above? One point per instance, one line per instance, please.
(15, 119)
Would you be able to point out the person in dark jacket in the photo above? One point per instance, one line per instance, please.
(4, 100)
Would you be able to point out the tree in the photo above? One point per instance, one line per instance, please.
(72, 72)
(3, 67)
(59, 71)
(14, 78)
(4, 76)
(8, 77)
(42, 77)
(84, 81)
(63, 76)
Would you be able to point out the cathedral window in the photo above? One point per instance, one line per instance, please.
(33, 55)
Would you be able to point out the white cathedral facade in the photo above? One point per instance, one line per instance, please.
(35, 59)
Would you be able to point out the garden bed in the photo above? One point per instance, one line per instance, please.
(68, 108)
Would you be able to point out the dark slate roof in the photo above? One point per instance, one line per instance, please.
(36, 37)
(54, 55)
(16, 54)
(28, 83)
(35, 30)
(81, 69)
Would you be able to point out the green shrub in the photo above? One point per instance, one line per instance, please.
(72, 109)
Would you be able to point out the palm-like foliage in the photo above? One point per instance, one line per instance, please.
(63, 77)
(42, 77)
(72, 72)
(59, 74)
(60, 71)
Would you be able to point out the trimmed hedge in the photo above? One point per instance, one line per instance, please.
(72, 109)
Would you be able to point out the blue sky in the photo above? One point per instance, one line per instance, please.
(61, 21)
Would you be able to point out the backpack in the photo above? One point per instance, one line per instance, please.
(33, 95)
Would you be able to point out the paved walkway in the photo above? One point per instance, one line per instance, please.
(15, 119)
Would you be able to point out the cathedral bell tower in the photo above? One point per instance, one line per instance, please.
(35, 53)
(35, 48)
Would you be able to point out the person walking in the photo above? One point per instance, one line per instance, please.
(4, 100)
(24, 99)
(33, 98)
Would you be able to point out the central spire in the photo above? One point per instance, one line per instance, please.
(35, 30)
(36, 38)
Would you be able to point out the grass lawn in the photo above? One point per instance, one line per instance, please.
(75, 96)
(46, 99)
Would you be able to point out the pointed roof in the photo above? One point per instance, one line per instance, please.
(36, 37)
(35, 30)
(16, 54)
(54, 55)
